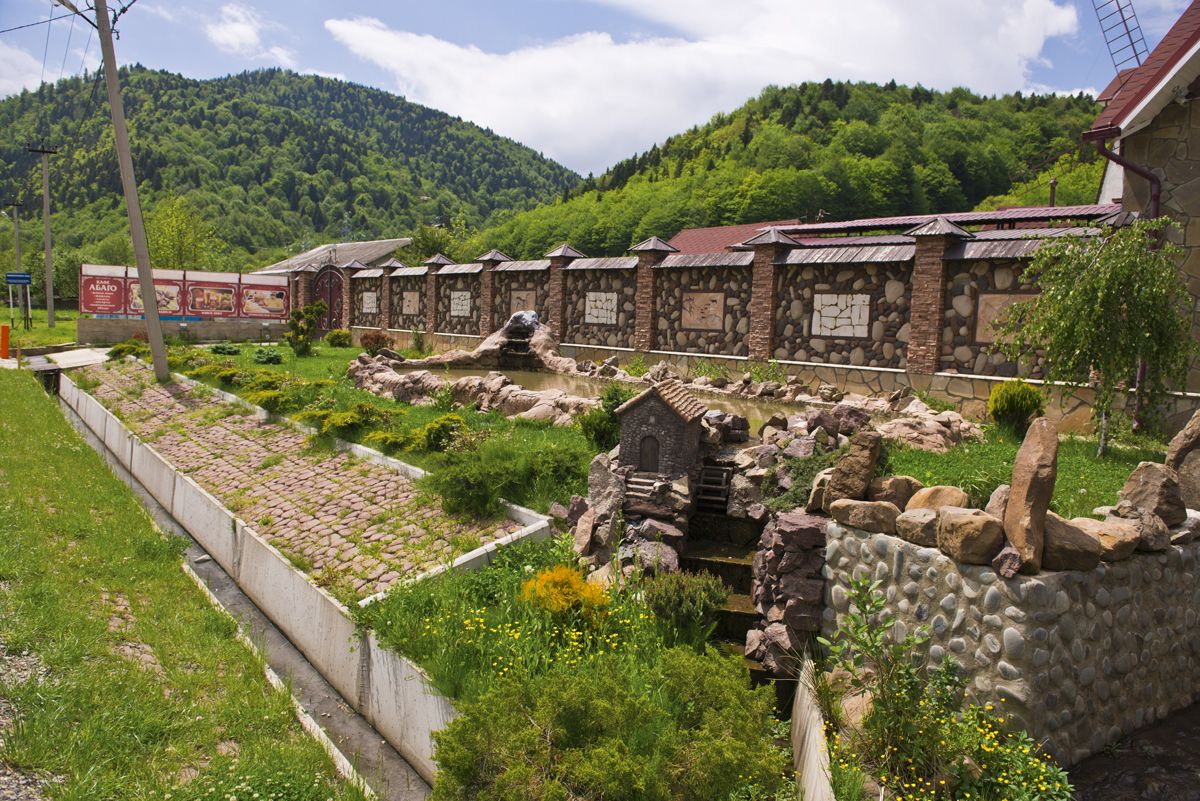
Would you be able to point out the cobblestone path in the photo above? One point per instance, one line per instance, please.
(356, 527)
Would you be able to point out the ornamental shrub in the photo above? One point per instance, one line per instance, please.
(564, 592)
(374, 341)
(267, 356)
(225, 349)
(130, 347)
(686, 605)
(1014, 404)
(302, 327)
(338, 338)
(439, 432)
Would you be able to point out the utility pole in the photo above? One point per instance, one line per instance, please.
(46, 154)
(141, 253)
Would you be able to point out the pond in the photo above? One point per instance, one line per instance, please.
(756, 410)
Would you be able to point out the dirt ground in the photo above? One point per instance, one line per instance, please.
(1158, 763)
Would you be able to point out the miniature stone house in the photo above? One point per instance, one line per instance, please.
(660, 430)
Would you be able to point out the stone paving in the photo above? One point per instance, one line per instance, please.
(355, 526)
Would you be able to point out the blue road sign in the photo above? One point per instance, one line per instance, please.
(18, 279)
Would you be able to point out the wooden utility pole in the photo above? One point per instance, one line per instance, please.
(46, 154)
(158, 349)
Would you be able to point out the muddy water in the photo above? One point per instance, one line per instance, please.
(755, 410)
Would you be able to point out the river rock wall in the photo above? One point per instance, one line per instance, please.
(458, 304)
(1077, 658)
(606, 318)
(704, 310)
(519, 291)
(977, 293)
(406, 307)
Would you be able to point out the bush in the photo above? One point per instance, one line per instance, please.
(686, 604)
(130, 347)
(374, 341)
(1014, 404)
(707, 368)
(600, 425)
(468, 487)
(338, 338)
(564, 593)
(439, 432)
(302, 327)
(267, 356)
(637, 366)
(225, 349)
(761, 372)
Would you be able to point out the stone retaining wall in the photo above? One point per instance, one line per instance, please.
(1079, 659)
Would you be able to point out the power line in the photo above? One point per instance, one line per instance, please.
(46, 49)
(39, 22)
(67, 50)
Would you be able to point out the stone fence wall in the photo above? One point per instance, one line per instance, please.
(1079, 659)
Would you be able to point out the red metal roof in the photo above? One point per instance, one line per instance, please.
(1134, 85)
(719, 237)
(1017, 214)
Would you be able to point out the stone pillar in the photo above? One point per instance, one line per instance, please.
(347, 298)
(303, 296)
(431, 294)
(556, 296)
(763, 300)
(927, 313)
(650, 254)
(487, 300)
(385, 301)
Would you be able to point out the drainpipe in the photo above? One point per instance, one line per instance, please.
(1155, 196)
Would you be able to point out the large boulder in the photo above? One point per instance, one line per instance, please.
(599, 528)
(853, 473)
(850, 418)
(1153, 534)
(918, 526)
(1155, 488)
(1032, 486)
(1118, 538)
(1184, 443)
(1189, 479)
(1069, 547)
(895, 489)
(648, 558)
(969, 536)
(875, 516)
(937, 497)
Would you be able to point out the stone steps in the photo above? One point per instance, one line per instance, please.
(730, 563)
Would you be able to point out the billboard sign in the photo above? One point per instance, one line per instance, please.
(112, 291)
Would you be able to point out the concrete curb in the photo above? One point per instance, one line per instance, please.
(810, 752)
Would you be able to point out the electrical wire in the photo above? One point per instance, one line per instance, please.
(46, 49)
(67, 50)
(32, 24)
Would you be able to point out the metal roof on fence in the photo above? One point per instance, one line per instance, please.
(1002, 216)
(367, 274)
(863, 254)
(724, 259)
(604, 263)
(522, 266)
(460, 269)
(409, 272)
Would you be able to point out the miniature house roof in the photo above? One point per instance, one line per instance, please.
(674, 395)
(565, 251)
(652, 245)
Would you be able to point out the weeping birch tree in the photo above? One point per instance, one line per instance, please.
(1113, 314)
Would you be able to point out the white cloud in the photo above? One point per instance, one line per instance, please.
(238, 30)
(18, 70)
(588, 100)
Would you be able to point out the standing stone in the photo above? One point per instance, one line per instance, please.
(1155, 488)
(998, 502)
(1184, 443)
(1189, 479)
(1068, 546)
(1032, 486)
(937, 497)
(853, 473)
(970, 536)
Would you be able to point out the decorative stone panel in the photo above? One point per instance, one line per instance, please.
(977, 293)
(365, 294)
(873, 333)
(583, 328)
(407, 307)
(520, 291)
(458, 304)
(1079, 659)
(690, 295)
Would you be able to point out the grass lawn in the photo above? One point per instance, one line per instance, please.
(40, 335)
(145, 683)
(325, 362)
(1084, 482)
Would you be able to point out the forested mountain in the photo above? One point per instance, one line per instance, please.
(270, 159)
(841, 150)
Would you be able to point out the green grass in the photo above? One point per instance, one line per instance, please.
(1084, 482)
(134, 697)
(40, 335)
(325, 362)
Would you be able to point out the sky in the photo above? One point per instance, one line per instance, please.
(589, 82)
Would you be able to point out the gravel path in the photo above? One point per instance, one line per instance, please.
(356, 527)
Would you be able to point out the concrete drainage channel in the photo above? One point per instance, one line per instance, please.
(377, 711)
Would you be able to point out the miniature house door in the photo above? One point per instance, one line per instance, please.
(328, 287)
(648, 455)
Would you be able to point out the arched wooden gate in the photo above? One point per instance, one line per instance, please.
(328, 287)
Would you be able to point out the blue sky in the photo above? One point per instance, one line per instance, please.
(591, 81)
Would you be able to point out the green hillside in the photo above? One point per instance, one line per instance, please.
(270, 159)
(847, 149)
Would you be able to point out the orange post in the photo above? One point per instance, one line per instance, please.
(3, 341)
